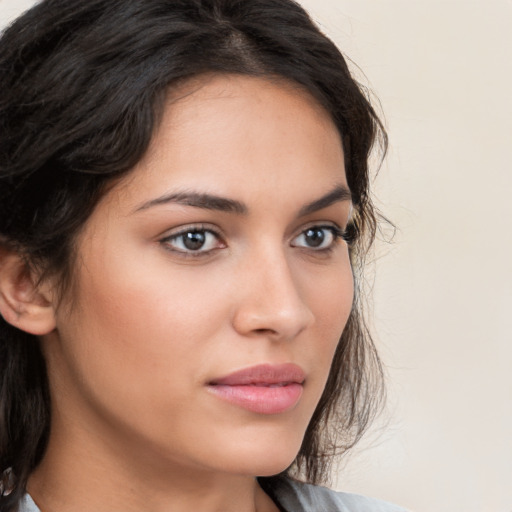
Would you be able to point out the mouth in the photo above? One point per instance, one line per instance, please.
(262, 389)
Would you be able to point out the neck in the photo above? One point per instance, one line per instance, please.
(97, 489)
(71, 478)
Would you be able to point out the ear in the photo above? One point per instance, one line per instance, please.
(22, 303)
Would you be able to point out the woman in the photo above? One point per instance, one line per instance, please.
(184, 205)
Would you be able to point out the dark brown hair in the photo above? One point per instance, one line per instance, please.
(83, 83)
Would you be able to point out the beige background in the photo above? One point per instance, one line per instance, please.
(443, 290)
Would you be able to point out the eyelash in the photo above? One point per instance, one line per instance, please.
(346, 235)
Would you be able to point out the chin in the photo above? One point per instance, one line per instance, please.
(269, 465)
(263, 456)
(273, 465)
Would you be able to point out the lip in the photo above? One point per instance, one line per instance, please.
(263, 389)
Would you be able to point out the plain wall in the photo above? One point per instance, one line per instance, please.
(443, 290)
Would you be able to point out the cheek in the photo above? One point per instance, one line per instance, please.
(134, 349)
(146, 317)
(332, 297)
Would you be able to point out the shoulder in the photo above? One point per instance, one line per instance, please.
(27, 505)
(297, 497)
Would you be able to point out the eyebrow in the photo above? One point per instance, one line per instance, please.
(340, 193)
(198, 200)
(224, 204)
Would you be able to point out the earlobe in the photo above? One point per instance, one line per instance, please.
(22, 303)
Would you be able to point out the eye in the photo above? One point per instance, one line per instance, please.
(318, 238)
(193, 240)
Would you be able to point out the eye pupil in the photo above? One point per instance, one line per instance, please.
(314, 237)
(194, 240)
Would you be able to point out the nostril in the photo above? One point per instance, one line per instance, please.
(264, 331)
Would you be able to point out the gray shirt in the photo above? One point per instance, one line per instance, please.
(298, 497)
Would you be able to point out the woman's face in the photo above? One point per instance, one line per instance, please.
(212, 286)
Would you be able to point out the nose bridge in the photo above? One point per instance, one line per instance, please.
(271, 301)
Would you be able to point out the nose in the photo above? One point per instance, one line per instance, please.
(269, 300)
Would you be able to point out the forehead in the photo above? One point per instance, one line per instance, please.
(239, 136)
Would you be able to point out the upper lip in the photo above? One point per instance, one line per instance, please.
(263, 374)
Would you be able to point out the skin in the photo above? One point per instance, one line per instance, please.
(147, 324)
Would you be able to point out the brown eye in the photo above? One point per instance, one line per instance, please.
(193, 240)
(198, 241)
(317, 238)
(314, 237)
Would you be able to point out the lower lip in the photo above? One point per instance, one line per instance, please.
(260, 399)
